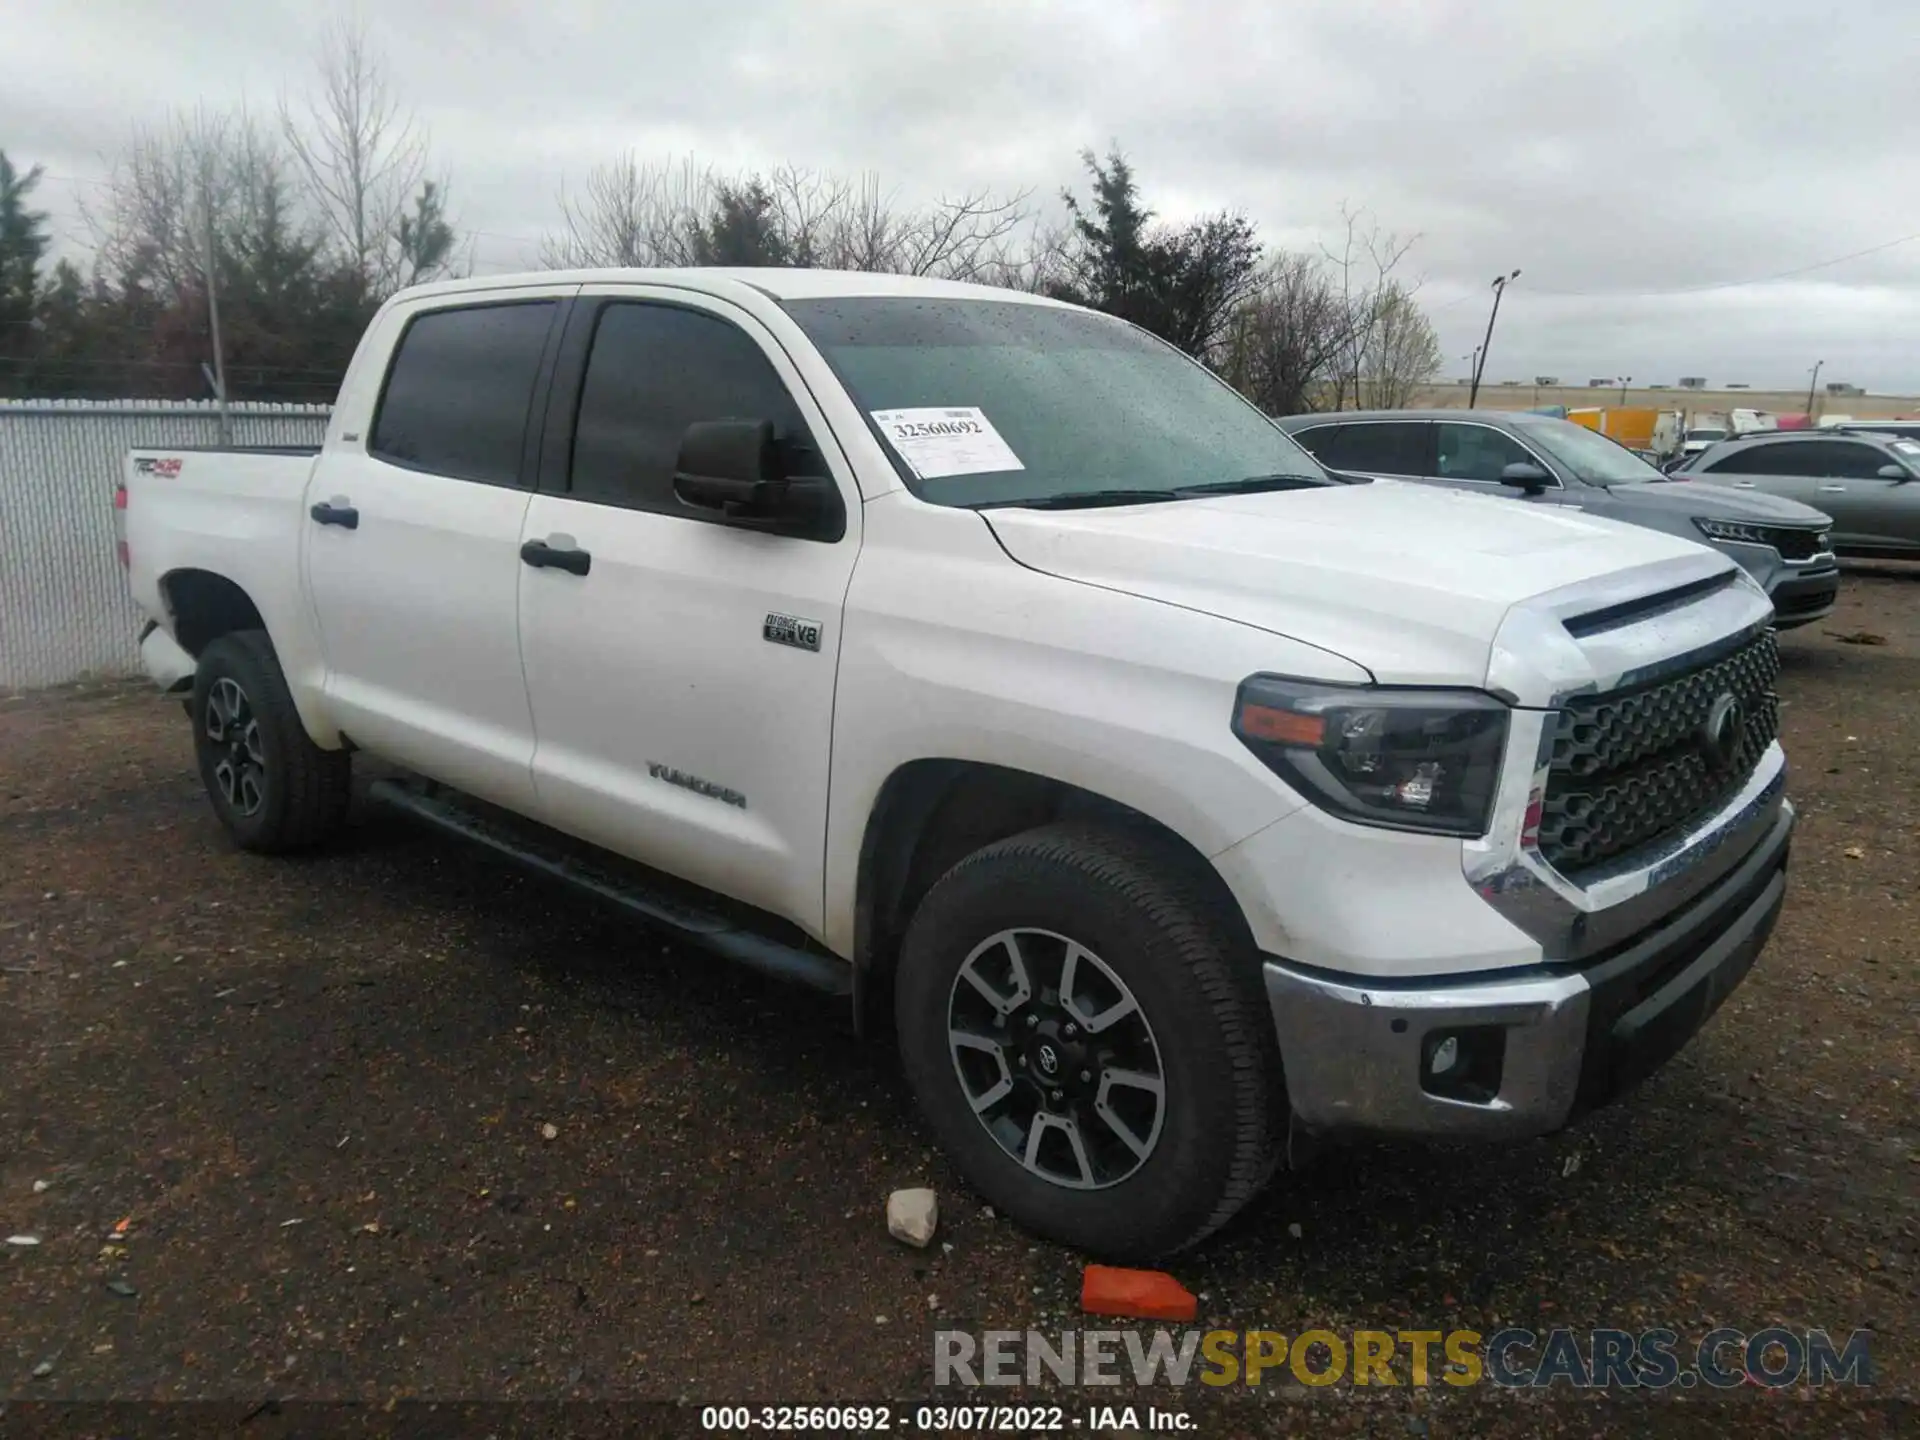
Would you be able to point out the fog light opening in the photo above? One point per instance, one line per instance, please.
(1464, 1064)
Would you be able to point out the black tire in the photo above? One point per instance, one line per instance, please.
(300, 792)
(1139, 906)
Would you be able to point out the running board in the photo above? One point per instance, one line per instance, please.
(705, 928)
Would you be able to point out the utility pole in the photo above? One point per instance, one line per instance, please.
(213, 305)
(1499, 288)
(1810, 384)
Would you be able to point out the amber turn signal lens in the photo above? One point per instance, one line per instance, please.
(1282, 727)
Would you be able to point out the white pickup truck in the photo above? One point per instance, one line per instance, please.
(987, 662)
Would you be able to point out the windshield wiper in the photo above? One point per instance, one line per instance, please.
(1252, 485)
(1082, 500)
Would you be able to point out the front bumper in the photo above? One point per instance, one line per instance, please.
(1568, 1036)
(1801, 596)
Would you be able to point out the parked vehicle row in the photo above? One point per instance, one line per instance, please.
(987, 662)
(1783, 544)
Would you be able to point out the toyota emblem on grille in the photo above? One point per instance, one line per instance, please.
(1721, 735)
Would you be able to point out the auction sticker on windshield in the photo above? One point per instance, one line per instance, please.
(938, 442)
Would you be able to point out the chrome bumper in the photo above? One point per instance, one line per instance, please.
(1568, 1037)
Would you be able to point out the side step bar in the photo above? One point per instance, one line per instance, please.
(711, 931)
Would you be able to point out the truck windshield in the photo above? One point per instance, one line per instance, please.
(996, 402)
(1591, 456)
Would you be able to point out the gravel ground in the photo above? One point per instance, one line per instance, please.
(395, 1121)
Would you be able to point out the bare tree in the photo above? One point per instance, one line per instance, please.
(642, 213)
(1364, 263)
(363, 158)
(1284, 344)
(199, 174)
(1402, 353)
(632, 213)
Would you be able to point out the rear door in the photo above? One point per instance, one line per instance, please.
(682, 682)
(412, 552)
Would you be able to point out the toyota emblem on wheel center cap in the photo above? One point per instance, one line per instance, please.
(1721, 734)
(1048, 1057)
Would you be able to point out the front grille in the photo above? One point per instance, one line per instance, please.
(1634, 765)
(1793, 544)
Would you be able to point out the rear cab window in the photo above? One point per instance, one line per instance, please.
(459, 389)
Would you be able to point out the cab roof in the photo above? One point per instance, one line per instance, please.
(773, 282)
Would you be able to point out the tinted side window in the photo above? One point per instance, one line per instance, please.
(1379, 447)
(1852, 462)
(1754, 460)
(1476, 452)
(457, 395)
(653, 371)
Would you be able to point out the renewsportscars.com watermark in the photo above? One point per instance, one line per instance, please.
(1721, 1359)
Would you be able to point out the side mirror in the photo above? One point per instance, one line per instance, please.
(1892, 472)
(735, 467)
(1525, 475)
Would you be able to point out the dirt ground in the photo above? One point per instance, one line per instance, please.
(316, 1092)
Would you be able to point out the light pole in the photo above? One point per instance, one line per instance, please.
(1500, 283)
(1810, 384)
(1625, 380)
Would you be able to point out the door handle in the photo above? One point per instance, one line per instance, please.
(345, 516)
(1743, 484)
(1833, 489)
(542, 556)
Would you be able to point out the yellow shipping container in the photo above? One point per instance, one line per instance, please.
(1631, 425)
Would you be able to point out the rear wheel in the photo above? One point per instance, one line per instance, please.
(1084, 1029)
(271, 786)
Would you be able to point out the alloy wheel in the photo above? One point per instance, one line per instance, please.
(1056, 1058)
(240, 764)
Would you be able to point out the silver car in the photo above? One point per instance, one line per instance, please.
(1869, 483)
(1549, 461)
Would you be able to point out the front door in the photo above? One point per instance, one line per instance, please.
(1869, 509)
(413, 547)
(681, 669)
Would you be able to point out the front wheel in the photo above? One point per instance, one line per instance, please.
(271, 786)
(1082, 1025)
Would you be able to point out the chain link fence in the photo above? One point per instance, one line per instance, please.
(65, 613)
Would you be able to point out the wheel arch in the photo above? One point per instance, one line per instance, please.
(930, 814)
(204, 605)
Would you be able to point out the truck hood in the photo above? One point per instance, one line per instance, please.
(1720, 502)
(1410, 582)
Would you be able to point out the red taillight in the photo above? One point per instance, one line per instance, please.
(120, 525)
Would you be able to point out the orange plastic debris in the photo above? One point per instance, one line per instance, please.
(1139, 1294)
(121, 1228)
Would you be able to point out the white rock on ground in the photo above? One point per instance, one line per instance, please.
(912, 1216)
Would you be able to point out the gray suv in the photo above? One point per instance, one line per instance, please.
(1869, 482)
(1784, 545)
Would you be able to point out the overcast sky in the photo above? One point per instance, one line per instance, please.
(1616, 154)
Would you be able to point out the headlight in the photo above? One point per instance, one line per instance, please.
(1733, 530)
(1402, 759)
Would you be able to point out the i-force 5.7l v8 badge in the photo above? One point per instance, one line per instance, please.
(791, 630)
